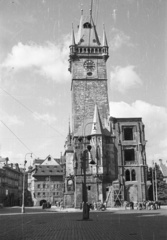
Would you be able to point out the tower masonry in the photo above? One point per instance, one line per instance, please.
(87, 64)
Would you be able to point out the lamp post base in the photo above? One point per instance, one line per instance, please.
(22, 209)
(85, 211)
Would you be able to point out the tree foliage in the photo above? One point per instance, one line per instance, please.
(161, 184)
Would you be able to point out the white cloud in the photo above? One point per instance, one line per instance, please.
(124, 78)
(118, 39)
(155, 121)
(10, 120)
(46, 118)
(14, 157)
(49, 60)
(48, 102)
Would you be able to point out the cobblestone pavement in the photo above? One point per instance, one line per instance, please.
(115, 225)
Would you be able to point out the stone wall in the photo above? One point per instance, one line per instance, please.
(85, 94)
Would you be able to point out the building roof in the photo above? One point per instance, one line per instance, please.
(92, 126)
(49, 160)
(48, 170)
(163, 168)
(3, 161)
(132, 119)
(87, 34)
(38, 161)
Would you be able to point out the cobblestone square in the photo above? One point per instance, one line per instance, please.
(115, 225)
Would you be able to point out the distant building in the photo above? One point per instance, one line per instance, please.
(109, 153)
(45, 181)
(163, 168)
(11, 183)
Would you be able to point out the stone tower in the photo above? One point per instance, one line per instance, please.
(116, 146)
(87, 64)
(90, 117)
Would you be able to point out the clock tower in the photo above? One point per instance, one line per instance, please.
(87, 64)
(105, 158)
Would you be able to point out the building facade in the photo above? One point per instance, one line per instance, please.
(45, 181)
(11, 183)
(108, 153)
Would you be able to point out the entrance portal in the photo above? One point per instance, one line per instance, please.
(42, 201)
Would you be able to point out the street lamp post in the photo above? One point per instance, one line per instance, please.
(153, 181)
(25, 161)
(156, 192)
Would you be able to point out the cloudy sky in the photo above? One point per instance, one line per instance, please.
(35, 102)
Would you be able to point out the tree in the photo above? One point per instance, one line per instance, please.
(161, 184)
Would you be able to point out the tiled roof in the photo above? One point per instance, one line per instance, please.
(87, 36)
(48, 170)
(50, 161)
(38, 161)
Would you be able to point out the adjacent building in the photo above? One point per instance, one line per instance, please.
(11, 183)
(45, 181)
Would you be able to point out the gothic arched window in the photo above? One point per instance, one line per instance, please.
(127, 175)
(133, 175)
(70, 185)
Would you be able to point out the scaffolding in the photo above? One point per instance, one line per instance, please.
(115, 195)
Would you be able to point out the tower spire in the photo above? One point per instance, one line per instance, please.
(80, 26)
(91, 5)
(105, 43)
(69, 134)
(73, 36)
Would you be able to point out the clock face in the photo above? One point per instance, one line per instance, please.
(89, 65)
(69, 182)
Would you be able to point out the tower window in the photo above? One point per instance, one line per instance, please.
(87, 25)
(129, 155)
(89, 73)
(133, 174)
(127, 175)
(89, 187)
(128, 133)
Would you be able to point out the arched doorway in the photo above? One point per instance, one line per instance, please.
(42, 201)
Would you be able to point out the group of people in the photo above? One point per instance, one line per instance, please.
(59, 204)
(149, 205)
(46, 205)
(100, 206)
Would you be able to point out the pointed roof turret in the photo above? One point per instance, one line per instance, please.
(80, 26)
(73, 36)
(69, 136)
(97, 125)
(105, 43)
(87, 34)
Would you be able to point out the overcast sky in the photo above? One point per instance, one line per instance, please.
(35, 100)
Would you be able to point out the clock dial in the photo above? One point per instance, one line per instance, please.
(70, 182)
(89, 65)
